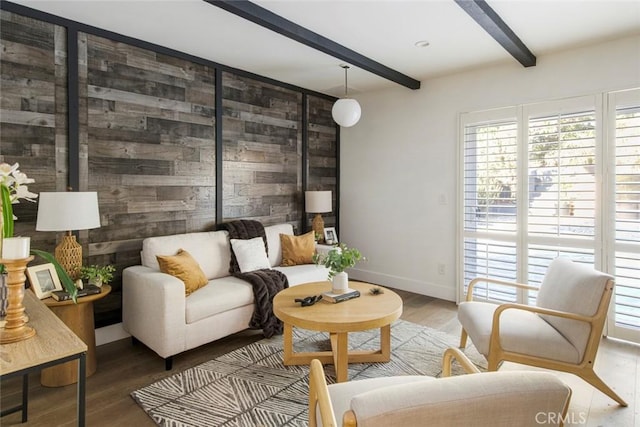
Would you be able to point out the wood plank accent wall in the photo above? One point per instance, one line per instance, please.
(33, 111)
(322, 146)
(262, 143)
(147, 141)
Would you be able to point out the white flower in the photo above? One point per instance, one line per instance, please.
(16, 182)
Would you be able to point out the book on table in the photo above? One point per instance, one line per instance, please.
(346, 295)
(87, 290)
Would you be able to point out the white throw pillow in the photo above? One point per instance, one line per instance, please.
(251, 254)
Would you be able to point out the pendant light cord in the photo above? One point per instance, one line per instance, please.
(346, 86)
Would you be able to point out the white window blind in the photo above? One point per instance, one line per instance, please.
(562, 187)
(490, 188)
(627, 218)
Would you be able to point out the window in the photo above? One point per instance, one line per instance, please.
(546, 180)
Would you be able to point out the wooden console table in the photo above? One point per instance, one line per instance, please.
(53, 343)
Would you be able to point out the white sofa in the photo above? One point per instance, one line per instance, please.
(156, 311)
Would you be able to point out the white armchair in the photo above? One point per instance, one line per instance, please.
(561, 332)
(482, 399)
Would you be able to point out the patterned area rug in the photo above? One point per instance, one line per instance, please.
(251, 387)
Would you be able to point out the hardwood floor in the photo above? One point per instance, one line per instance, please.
(123, 367)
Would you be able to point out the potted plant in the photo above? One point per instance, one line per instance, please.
(96, 274)
(337, 260)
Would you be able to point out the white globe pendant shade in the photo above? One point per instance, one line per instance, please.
(346, 112)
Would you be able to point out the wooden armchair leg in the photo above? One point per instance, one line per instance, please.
(463, 338)
(592, 378)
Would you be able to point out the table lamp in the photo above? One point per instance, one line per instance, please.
(67, 211)
(318, 202)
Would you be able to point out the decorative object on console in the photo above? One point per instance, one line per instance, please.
(318, 202)
(346, 111)
(15, 247)
(13, 187)
(15, 328)
(44, 280)
(66, 211)
(337, 260)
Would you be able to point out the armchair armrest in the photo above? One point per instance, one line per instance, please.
(319, 396)
(495, 327)
(451, 354)
(477, 280)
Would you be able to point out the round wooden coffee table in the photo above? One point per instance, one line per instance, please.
(338, 319)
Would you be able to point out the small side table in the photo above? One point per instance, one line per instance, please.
(79, 318)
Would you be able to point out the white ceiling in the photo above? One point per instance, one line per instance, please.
(383, 30)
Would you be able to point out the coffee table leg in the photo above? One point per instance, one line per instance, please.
(339, 347)
(287, 343)
(385, 342)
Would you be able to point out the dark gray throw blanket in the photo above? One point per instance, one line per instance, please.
(266, 283)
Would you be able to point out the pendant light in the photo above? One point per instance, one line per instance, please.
(346, 111)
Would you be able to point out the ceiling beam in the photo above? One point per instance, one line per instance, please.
(263, 17)
(488, 19)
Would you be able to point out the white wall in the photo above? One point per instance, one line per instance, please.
(398, 164)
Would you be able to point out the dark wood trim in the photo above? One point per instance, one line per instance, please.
(265, 18)
(80, 27)
(73, 109)
(219, 145)
(488, 19)
(338, 179)
(305, 160)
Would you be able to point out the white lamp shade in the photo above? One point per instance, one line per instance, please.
(346, 112)
(317, 201)
(67, 211)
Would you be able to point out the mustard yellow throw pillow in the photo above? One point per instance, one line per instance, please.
(297, 250)
(184, 267)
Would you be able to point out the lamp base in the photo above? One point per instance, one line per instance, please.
(318, 227)
(15, 328)
(69, 255)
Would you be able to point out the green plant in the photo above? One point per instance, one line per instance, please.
(338, 259)
(97, 273)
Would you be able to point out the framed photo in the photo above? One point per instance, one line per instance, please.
(330, 235)
(44, 280)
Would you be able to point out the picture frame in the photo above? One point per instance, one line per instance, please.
(44, 280)
(330, 235)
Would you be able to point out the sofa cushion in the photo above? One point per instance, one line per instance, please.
(216, 297)
(297, 250)
(306, 273)
(250, 254)
(273, 233)
(575, 288)
(520, 332)
(211, 249)
(184, 267)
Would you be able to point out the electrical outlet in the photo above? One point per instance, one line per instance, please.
(442, 199)
(441, 269)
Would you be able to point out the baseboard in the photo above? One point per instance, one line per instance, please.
(403, 283)
(110, 333)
